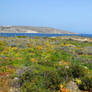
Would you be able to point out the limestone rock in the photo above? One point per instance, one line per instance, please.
(72, 86)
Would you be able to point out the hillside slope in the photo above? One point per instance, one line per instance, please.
(31, 29)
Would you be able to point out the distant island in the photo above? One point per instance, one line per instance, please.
(32, 29)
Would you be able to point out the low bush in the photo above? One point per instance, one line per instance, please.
(77, 71)
(86, 84)
(65, 73)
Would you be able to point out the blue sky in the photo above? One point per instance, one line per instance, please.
(72, 15)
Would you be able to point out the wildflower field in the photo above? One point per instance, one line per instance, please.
(45, 64)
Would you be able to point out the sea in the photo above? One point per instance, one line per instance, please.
(41, 35)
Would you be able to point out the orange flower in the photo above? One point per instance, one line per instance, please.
(64, 90)
(39, 47)
(66, 63)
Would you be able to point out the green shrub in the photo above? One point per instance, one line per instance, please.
(65, 73)
(2, 45)
(86, 84)
(77, 71)
(51, 80)
(33, 80)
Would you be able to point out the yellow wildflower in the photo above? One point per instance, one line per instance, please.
(78, 81)
(61, 86)
(14, 48)
(16, 55)
(33, 59)
(48, 43)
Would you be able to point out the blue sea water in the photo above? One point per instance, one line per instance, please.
(41, 35)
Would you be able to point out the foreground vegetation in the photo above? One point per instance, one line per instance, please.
(44, 64)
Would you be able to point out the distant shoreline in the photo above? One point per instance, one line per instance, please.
(42, 35)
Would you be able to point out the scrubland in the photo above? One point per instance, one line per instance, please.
(44, 64)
